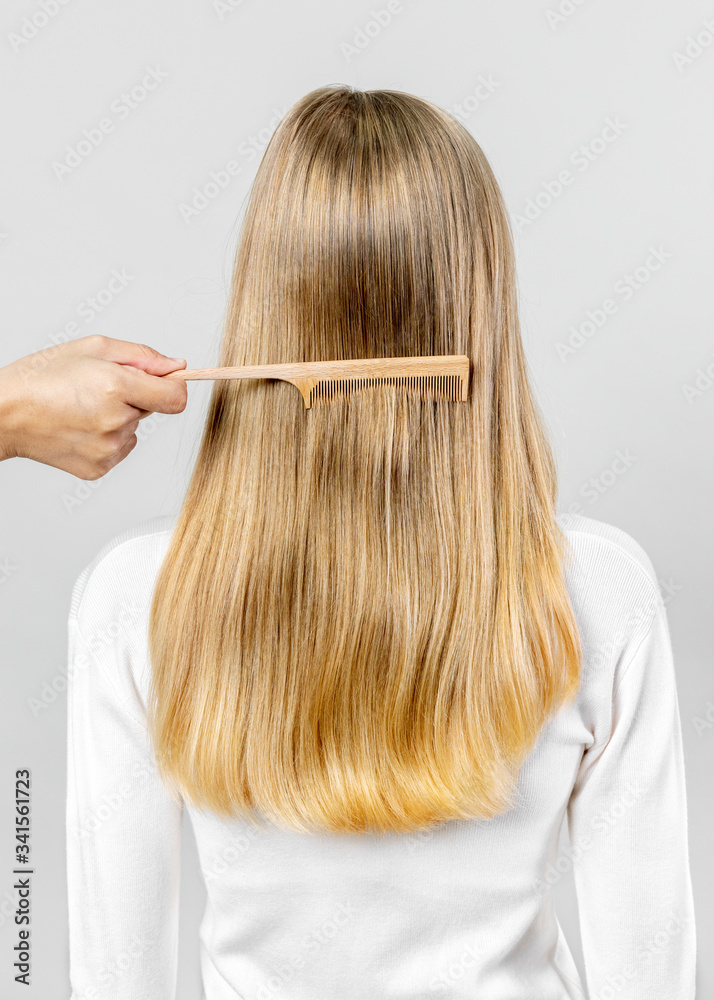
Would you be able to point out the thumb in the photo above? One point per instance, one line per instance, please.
(125, 352)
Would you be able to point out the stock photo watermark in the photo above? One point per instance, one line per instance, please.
(7, 569)
(223, 8)
(121, 108)
(467, 956)
(703, 723)
(112, 802)
(669, 588)
(32, 24)
(484, 89)
(230, 854)
(555, 16)
(110, 975)
(639, 619)
(87, 311)
(602, 483)
(82, 492)
(695, 45)
(364, 34)
(218, 180)
(582, 158)
(23, 877)
(87, 488)
(701, 383)
(600, 824)
(90, 307)
(311, 943)
(654, 945)
(624, 289)
(103, 639)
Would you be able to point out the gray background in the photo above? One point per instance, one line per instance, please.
(231, 69)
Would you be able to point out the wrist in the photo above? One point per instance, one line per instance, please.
(9, 414)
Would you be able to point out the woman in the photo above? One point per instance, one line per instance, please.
(368, 657)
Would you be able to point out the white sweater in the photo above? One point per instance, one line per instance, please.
(463, 911)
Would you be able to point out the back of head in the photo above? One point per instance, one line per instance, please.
(361, 621)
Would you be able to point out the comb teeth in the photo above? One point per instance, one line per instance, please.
(430, 387)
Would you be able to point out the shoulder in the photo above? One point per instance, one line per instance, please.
(109, 614)
(612, 583)
(122, 574)
(618, 555)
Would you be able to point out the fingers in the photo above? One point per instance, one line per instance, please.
(93, 453)
(81, 411)
(151, 394)
(124, 352)
(124, 451)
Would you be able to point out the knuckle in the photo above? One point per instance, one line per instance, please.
(92, 464)
(108, 423)
(103, 446)
(101, 454)
(96, 341)
(110, 384)
(122, 450)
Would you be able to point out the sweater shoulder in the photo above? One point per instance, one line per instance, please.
(596, 551)
(609, 547)
(611, 580)
(124, 570)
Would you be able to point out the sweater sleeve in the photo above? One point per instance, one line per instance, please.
(123, 833)
(627, 818)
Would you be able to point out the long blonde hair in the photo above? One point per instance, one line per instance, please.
(361, 622)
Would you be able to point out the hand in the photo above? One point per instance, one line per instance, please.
(77, 406)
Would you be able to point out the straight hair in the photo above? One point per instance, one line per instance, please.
(361, 622)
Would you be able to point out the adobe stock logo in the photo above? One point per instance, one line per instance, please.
(7, 568)
(484, 89)
(225, 7)
(623, 290)
(32, 24)
(598, 485)
(121, 107)
(375, 26)
(564, 10)
(696, 45)
(586, 154)
(701, 383)
(218, 180)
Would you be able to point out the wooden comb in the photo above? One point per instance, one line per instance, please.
(442, 377)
